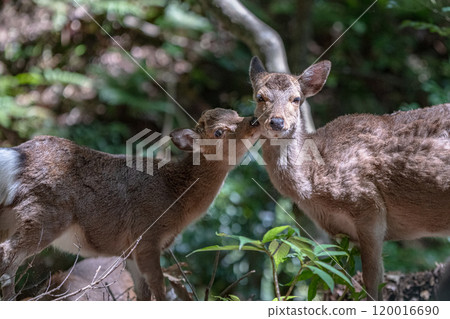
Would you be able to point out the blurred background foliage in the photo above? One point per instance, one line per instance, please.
(61, 74)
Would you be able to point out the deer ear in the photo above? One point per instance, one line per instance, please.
(314, 77)
(256, 68)
(183, 138)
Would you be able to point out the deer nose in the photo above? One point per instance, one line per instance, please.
(277, 123)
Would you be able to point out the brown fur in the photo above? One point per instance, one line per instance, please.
(384, 177)
(117, 287)
(93, 200)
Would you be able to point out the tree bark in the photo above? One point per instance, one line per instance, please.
(258, 36)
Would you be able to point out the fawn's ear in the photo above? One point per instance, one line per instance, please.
(183, 138)
(256, 68)
(314, 77)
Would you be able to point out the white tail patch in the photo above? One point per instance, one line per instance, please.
(9, 169)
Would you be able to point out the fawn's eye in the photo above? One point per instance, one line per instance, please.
(260, 98)
(218, 133)
(296, 99)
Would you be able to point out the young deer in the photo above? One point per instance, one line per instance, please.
(373, 178)
(53, 191)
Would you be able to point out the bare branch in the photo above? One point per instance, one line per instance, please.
(50, 292)
(183, 274)
(223, 293)
(275, 278)
(294, 282)
(108, 289)
(257, 35)
(216, 263)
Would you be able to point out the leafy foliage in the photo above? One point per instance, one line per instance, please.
(322, 264)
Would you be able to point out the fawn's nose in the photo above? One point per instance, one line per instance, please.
(276, 123)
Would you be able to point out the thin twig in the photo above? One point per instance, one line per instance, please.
(222, 294)
(213, 276)
(109, 270)
(292, 285)
(29, 265)
(275, 278)
(183, 274)
(50, 292)
(344, 293)
(108, 289)
(96, 273)
(123, 293)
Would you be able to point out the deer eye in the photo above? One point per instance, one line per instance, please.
(218, 133)
(296, 99)
(260, 98)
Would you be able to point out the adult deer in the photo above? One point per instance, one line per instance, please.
(53, 191)
(373, 178)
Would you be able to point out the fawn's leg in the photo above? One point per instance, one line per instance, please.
(140, 285)
(149, 265)
(32, 234)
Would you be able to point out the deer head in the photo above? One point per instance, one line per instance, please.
(214, 131)
(278, 96)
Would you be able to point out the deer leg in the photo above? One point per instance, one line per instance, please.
(140, 285)
(30, 236)
(371, 246)
(9, 263)
(149, 265)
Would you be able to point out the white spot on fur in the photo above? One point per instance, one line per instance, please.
(74, 241)
(9, 168)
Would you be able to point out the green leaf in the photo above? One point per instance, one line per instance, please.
(292, 231)
(281, 250)
(334, 271)
(283, 298)
(323, 275)
(234, 298)
(419, 25)
(221, 298)
(332, 253)
(118, 7)
(305, 274)
(272, 233)
(303, 239)
(312, 289)
(273, 246)
(66, 77)
(300, 248)
(30, 78)
(323, 248)
(177, 16)
(242, 240)
(229, 247)
(345, 242)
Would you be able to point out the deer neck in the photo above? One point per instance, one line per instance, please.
(200, 182)
(291, 175)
